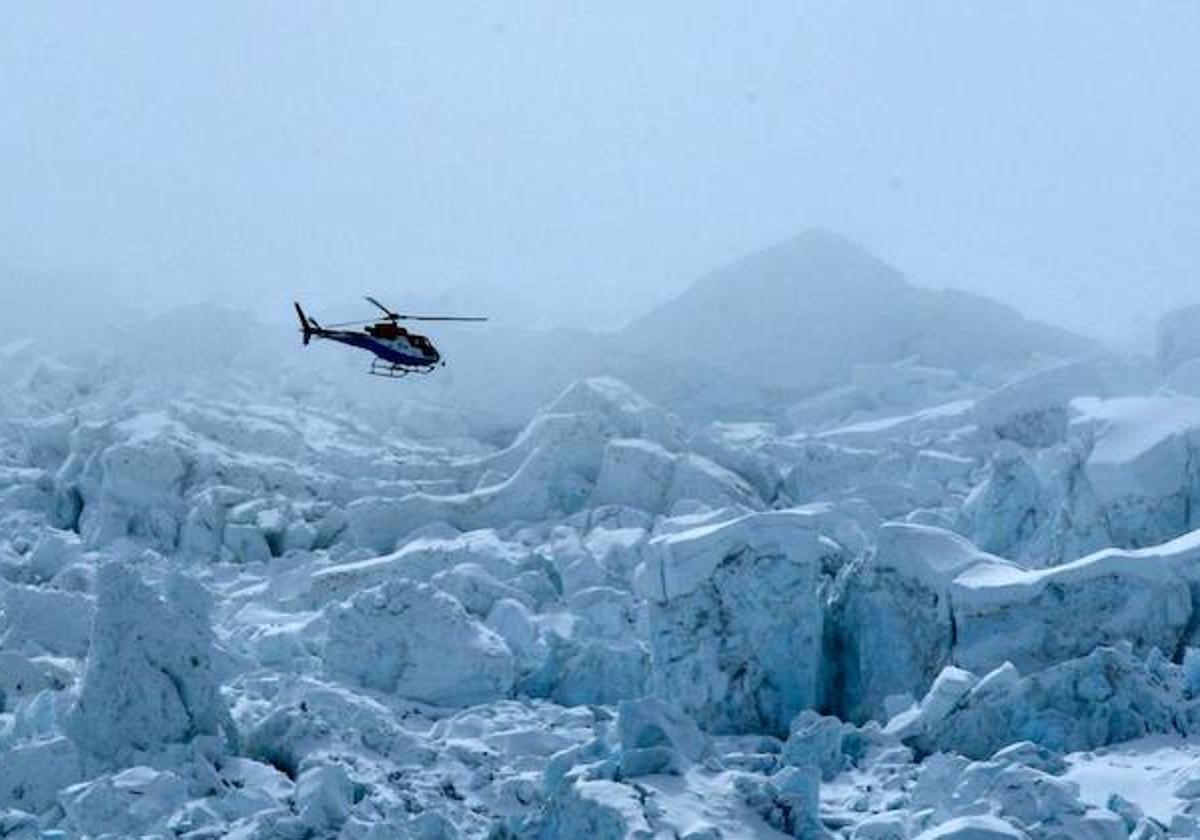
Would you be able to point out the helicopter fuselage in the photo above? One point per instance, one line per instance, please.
(402, 350)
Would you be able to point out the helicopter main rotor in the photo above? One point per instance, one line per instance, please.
(389, 315)
(396, 316)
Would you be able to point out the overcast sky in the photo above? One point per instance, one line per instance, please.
(580, 161)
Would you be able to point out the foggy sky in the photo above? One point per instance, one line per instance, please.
(578, 162)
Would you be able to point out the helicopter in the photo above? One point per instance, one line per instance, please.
(398, 352)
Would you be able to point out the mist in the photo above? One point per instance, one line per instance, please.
(825, 462)
(551, 164)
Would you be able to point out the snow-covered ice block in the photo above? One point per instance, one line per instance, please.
(631, 414)
(736, 620)
(55, 551)
(599, 810)
(1037, 618)
(476, 589)
(413, 640)
(950, 687)
(247, 543)
(1005, 512)
(1141, 466)
(981, 827)
(590, 671)
(656, 737)
(1178, 337)
(550, 482)
(893, 618)
(128, 803)
(324, 797)
(139, 494)
(815, 741)
(1033, 410)
(152, 675)
(419, 560)
(21, 677)
(636, 473)
(942, 468)
(309, 719)
(1104, 698)
(46, 621)
(32, 774)
(514, 622)
(824, 469)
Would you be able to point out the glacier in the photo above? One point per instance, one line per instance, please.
(921, 601)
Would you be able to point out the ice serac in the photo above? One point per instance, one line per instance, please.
(599, 809)
(152, 675)
(1034, 410)
(550, 470)
(415, 641)
(32, 773)
(139, 493)
(1143, 465)
(736, 620)
(893, 626)
(1039, 618)
(1178, 337)
(631, 414)
(1109, 696)
(644, 475)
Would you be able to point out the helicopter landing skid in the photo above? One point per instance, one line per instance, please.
(392, 371)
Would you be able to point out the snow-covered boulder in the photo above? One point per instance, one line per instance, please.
(413, 640)
(153, 672)
(736, 620)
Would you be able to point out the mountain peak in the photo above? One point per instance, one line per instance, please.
(802, 313)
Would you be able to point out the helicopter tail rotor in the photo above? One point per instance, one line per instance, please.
(307, 325)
